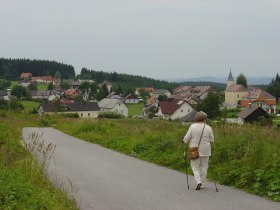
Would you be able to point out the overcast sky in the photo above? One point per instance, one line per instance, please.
(153, 38)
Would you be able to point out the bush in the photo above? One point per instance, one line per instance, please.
(70, 115)
(113, 115)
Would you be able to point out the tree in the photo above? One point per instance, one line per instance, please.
(274, 87)
(50, 86)
(4, 84)
(211, 105)
(19, 91)
(241, 80)
(32, 86)
(64, 85)
(57, 75)
(162, 98)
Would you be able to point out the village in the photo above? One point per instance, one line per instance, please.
(179, 104)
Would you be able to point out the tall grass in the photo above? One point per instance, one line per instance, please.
(22, 180)
(247, 157)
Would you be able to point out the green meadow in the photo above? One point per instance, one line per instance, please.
(246, 157)
(135, 109)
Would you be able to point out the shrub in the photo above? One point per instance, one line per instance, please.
(113, 115)
(70, 115)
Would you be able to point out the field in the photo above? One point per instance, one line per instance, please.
(135, 109)
(40, 86)
(29, 105)
(246, 157)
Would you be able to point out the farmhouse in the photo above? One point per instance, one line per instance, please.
(174, 109)
(84, 110)
(113, 105)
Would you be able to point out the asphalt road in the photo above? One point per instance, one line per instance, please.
(103, 179)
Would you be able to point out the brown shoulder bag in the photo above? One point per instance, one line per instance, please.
(193, 152)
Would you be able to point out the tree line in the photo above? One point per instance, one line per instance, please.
(10, 69)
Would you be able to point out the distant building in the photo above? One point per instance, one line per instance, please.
(251, 114)
(233, 93)
(161, 92)
(25, 76)
(172, 110)
(131, 99)
(260, 98)
(113, 105)
(84, 110)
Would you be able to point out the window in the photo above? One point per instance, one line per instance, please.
(88, 114)
(81, 114)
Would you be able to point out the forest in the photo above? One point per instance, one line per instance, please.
(10, 69)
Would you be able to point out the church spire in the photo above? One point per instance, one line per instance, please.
(230, 79)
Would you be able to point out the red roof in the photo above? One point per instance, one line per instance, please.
(169, 107)
(25, 75)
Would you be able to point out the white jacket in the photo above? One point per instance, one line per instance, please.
(193, 136)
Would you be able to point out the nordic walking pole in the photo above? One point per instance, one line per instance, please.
(213, 176)
(186, 166)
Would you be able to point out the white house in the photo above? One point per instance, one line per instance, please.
(113, 105)
(174, 109)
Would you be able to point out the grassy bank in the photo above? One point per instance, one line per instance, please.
(23, 185)
(246, 157)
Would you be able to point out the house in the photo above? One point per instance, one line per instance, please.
(84, 110)
(113, 105)
(187, 92)
(72, 93)
(174, 109)
(73, 84)
(25, 76)
(261, 98)
(115, 96)
(233, 93)
(251, 114)
(43, 94)
(200, 92)
(107, 84)
(190, 117)
(152, 100)
(181, 89)
(46, 79)
(131, 99)
(149, 90)
(161, 92)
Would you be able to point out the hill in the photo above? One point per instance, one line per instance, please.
(135, 81)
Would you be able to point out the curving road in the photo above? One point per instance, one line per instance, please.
(107, 180)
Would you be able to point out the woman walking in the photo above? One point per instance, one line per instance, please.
(200, 135)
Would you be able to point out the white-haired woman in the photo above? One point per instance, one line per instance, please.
(200, 135)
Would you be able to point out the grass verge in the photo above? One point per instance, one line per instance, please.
(22, 180)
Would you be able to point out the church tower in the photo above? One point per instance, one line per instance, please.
(230, 80)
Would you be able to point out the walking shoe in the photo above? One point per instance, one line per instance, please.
(198, 186)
